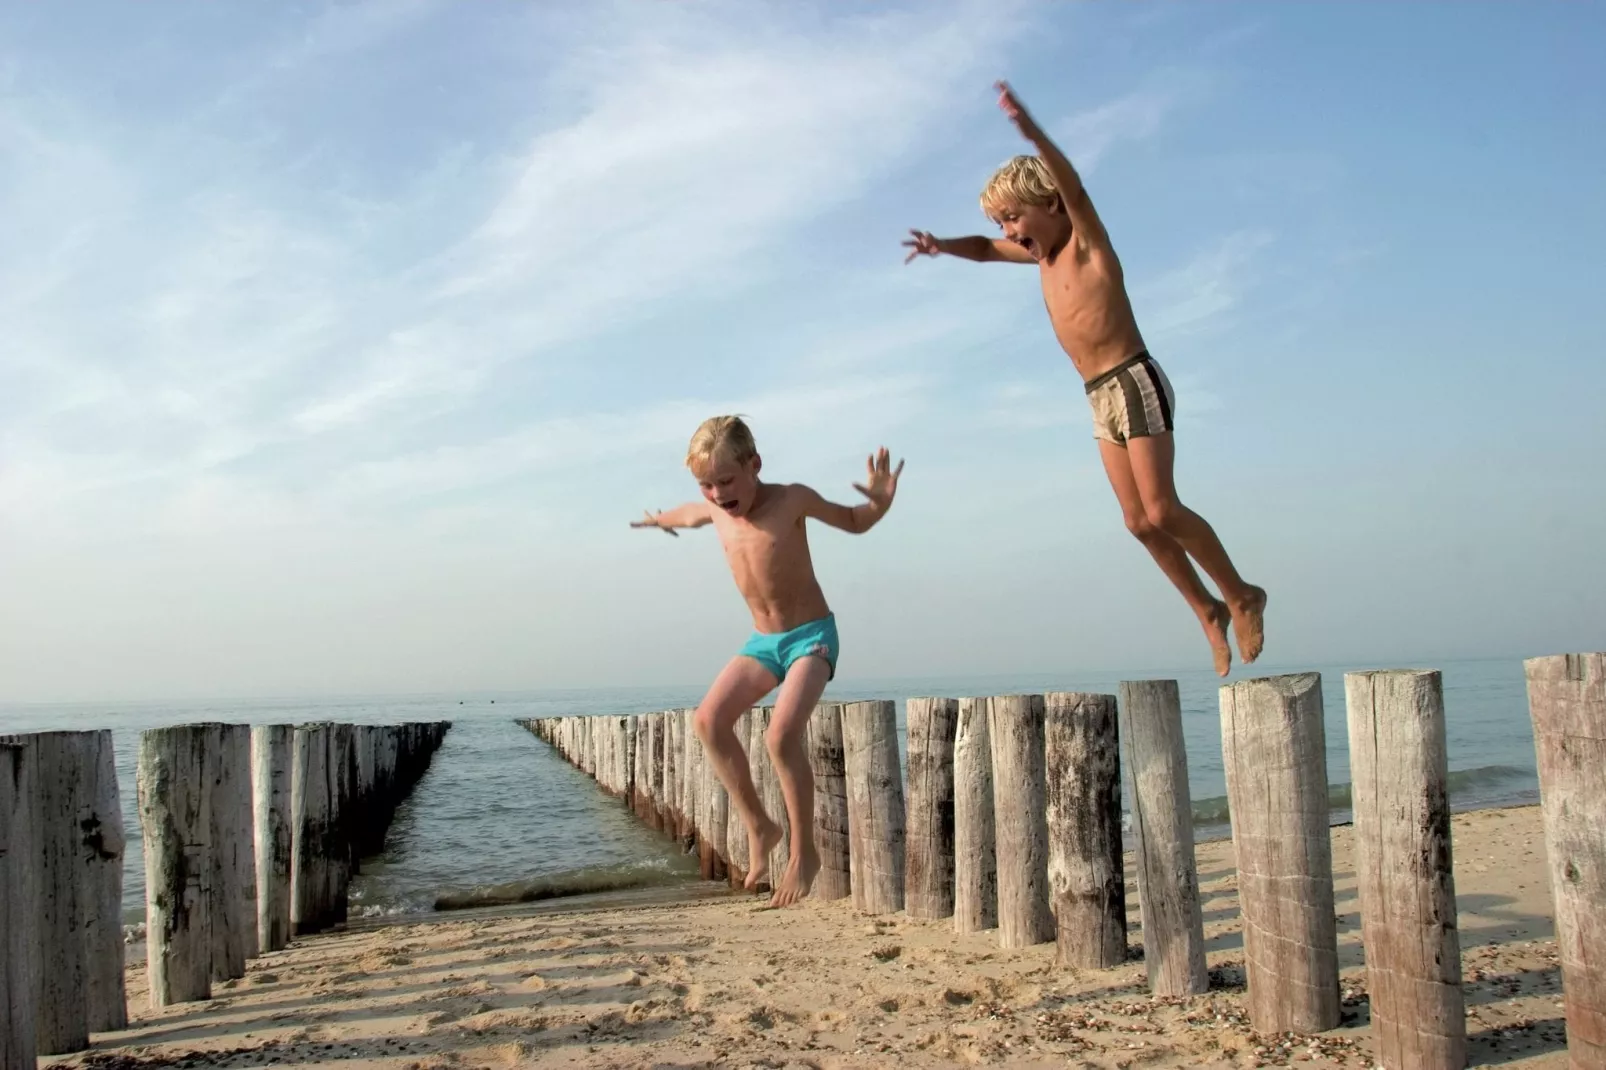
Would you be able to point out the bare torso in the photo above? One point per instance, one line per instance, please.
(768, 551)
(1085, 292)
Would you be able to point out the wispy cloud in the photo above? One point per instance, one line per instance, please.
(1200, 295)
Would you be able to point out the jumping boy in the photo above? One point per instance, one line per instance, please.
(794, 645)
(1048, 220)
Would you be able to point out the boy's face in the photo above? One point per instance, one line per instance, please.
(1038, 229)
(730, 485)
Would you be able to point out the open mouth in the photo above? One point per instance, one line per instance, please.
(1027, 244)
(730, 506)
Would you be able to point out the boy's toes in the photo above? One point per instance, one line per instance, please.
(1249, 621)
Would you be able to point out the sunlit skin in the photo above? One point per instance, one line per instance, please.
(762, 528)
(1084, 290)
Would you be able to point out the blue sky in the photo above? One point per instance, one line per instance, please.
(339, 343)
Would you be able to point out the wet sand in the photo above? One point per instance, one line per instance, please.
(719, 982)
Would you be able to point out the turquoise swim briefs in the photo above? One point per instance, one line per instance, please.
(777, 652)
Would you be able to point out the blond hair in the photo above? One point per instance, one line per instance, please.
(720, 437)
(1023, 180)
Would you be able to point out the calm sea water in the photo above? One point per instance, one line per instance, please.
(499, 808)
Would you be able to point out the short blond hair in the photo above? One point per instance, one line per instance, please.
(720, 437)
(1023, 180)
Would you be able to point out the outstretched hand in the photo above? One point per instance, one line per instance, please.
(882, 481)
(1012, 107)
(651, 521)
(922, 243)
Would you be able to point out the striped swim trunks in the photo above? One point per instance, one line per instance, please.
(1131, 400)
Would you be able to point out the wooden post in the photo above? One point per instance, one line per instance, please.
(102, 843)
(1162, 829)
(673, 756)
(876, 830)
(1399, 791)
(175, 812)
(19, 907)
(1020, 813)
(687, 741)
(309, 825)
(270, 782)
(718, 822)
(975, 858)
(61, 763)
(1087, 889)
(342, 809)
(928, 883)
(736, 845)
(234, 922)
(1567, 701)
(655, 769)
(769, 789)
(831, 836)
(1276, 764)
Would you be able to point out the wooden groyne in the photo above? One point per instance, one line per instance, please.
(218, 816)
(1008, 818)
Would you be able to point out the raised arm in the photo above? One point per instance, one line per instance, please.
(881, 486)
(1084, 219)
(690, 515)
(985, 250)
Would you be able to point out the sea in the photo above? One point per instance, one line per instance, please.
(501, 817)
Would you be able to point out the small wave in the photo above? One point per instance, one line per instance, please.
(585, 881)
(1466, 785)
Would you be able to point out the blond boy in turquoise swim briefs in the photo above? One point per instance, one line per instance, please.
(794, 645)
(1048, 220)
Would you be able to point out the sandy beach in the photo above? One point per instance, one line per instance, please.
(723, 983)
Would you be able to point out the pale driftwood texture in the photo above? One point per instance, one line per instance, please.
(764, 782)
(774, 800)
(1567, 701)
(928, 884)
(1162, 831)
(1403, 869)
(270, 804)
(234, 918)
(689, 750)
(175, 810)
(719, 818)
(737, 851)
(975, 857)
(829, 764)
(1087, 890)
(1276, 765)
(1020, 816)
(875, 806)
(101, 847)
(673, 757)
(660, 816)
(19, 911)
(61, 769)
(309, 823)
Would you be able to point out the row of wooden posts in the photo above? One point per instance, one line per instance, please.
(1009, 817)
(250, 834)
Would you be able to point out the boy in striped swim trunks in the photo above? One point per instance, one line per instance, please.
(1048, 220)
(763, 530)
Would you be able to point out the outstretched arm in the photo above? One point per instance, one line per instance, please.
(1084, 220)
(857, 519)
(985, 250)
(690, 515)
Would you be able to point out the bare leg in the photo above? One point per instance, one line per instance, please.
(787, 740)
(1152, 459)
(1168, 554)
(735, 691)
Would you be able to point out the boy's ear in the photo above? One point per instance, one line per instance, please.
(757, 462)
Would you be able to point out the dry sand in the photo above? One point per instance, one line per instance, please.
(722, 983)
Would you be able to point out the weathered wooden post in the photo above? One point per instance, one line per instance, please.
(102, 843)
(769, 789)
(1082, 757)
(1276, 764)
(928, 883)
(687, 740)
(674, 757)
(655, 770)
(342, 809)
(234, 922)
(1020, 815)
(975, 858)
(718, 821)
(736, 845)
(270, 782)
(876, 828)
(175, 811)
(19, 911)
(1398, 785)
(1567, 701)
(829, 764)
(309, 824)
(1162, 828)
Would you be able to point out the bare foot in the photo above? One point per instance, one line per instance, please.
(1248, 620)
(799, 878)
(1215, 626)
(760, 842)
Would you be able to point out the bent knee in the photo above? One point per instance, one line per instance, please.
(1163, 514)
(703, 723)
(779, 739)
(1139, 524)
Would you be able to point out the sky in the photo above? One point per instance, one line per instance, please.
(339, 343)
